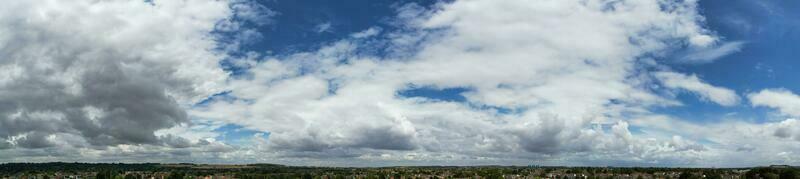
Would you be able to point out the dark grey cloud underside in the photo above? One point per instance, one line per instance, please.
(134, 100)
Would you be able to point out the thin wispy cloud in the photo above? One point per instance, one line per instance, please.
(709, 54)
(324, 27)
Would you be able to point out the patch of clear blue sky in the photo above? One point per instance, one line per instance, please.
(770, 28)
(441, 94)
(236, 134)
(223, 96)
(453, 94)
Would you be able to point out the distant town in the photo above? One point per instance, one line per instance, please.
(60, 170)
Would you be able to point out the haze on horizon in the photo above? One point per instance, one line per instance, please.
(676, 83)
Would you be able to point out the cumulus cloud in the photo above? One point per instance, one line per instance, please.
(789, 128)
(730, 141)
(783, 100)
(692, 83)
(104, 73)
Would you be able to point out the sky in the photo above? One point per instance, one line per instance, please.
(668, 83)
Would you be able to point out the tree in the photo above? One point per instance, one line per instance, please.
(788, 174)
(130, 176)
(712, 175)
(176, 175)
(105, 174)
(686, 175)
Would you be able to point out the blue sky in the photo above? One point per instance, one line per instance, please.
(380, 82)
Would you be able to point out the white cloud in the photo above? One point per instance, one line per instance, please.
(252, 11)
(372, 31)
(709, 54)
(784, 100)
(731, 142)
(323, 27)
(789, 128)
(564, 65)
(692, 83)
(86, 75)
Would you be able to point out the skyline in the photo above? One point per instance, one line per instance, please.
(665, 83)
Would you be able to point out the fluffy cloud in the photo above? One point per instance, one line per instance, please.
(93, 74)
(789, 128)
(732, 141)
(545, 79)
(785, 101)
(692, 83)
